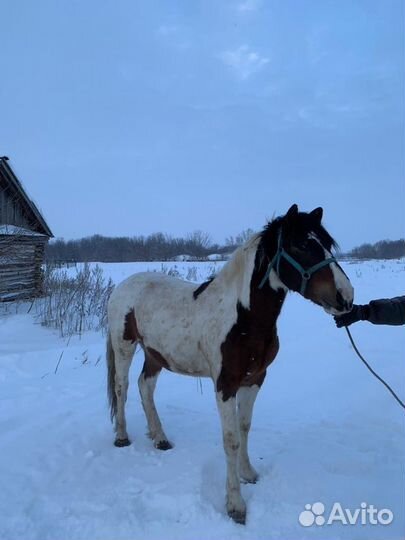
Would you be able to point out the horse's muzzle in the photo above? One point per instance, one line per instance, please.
(332, 310)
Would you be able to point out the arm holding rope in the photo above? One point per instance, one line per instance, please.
(385, 311)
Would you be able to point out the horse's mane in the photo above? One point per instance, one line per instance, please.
(202, 287)
(234, 264)
(304, 224)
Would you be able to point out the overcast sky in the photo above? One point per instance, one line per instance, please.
(131, 117)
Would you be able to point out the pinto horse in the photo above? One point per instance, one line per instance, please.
(225, 329)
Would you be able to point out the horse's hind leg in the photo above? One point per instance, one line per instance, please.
(147, 384)
(123, 358)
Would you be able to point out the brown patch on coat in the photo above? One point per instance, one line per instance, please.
(131, 332)
(252, 343)
(154, 362)
(202, 287)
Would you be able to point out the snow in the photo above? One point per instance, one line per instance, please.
(183, 258)
(323, 430)
(18, 231)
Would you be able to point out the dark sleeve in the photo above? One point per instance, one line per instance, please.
(387, 311)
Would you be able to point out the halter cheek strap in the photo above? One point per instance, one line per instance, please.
(306, 273)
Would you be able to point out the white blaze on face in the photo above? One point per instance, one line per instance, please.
(342, 282)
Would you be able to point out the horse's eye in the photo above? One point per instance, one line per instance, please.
(303, 244)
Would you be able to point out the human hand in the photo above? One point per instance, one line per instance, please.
(358, 313)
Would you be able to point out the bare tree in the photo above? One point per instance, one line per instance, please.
(239, 239)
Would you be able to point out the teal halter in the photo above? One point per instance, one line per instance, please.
(306, 273)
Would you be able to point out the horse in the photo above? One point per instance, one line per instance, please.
(225, 329)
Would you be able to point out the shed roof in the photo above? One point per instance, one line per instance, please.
(14, 230)
(30, 210)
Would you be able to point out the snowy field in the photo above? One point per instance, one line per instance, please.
(324, 430)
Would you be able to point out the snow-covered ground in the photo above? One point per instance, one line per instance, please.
(324, 430)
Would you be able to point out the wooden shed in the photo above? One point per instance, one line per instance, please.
(23, 236)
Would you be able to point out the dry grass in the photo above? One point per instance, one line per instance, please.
(74, 304)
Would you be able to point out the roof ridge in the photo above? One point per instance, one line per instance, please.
(16, 184)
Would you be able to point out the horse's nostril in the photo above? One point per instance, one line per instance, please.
(347, 306)
(341, 303)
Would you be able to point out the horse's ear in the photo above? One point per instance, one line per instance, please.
(317, 214)
(293, 211)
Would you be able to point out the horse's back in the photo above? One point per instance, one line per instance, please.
(160, 312)
(150, 284)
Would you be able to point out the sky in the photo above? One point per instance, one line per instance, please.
(131, 117)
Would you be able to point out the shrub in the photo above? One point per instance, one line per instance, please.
(74, 304)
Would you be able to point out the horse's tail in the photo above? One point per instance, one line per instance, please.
(112, 398)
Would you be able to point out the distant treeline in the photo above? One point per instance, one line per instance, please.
(155, 247)
(385, 249)
(162, 247)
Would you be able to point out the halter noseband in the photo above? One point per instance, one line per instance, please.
(306, 273)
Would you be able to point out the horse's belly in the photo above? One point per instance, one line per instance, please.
(192, 364)
(194, 370)
(183, 360)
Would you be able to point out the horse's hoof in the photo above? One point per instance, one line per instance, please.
(238, 516)
(163, 445)
(249, 479)
(122, 442)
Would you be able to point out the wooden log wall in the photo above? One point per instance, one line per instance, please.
(21, 259)
(11, 207)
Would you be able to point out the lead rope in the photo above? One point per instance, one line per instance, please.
(387, 386)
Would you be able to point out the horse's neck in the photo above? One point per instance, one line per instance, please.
(236, 275)
(240, 281)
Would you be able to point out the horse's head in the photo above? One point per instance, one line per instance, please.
(301, 255)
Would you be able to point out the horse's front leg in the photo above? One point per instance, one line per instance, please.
(246, 397)
(235, 504)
